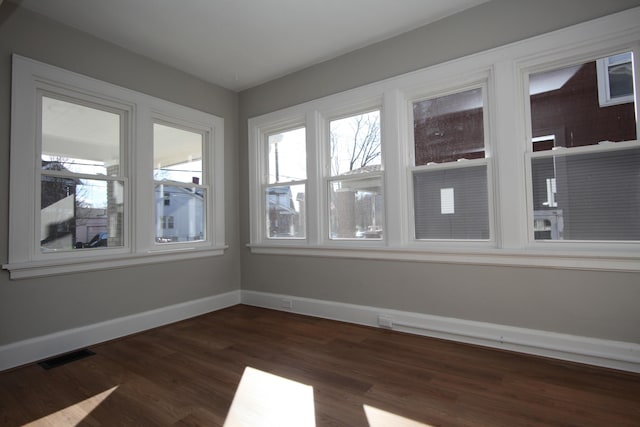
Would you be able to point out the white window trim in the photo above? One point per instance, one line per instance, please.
(479, 79)
(323, 121)
(259, 174)
(563, 56)
(25, 259)
(505, 71)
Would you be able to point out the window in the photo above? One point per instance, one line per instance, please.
(585, 161)
(450, 196)
(111, 176)
(615, 79)
(81, 181)
(356, 203)
(166, 222)
(505, 157)
(177, 175)
(284, 193)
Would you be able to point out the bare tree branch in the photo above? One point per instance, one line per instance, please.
(359, 147)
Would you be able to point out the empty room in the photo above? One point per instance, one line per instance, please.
(319, 213)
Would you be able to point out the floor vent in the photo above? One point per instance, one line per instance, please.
(54, 362)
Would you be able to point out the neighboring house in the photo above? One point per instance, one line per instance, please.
(179, 214)
(283, 216)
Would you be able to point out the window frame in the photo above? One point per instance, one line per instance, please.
(504, 72)
(541, 64)
(604, 87)
(30, 79)
(259, 174)
(327, 114)
(478, 80)
(125, 111)
(208, 172)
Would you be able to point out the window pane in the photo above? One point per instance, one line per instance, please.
(355, 143)
(451, 203)
(180, 213)
(620, 76)
(286, 211)
(288, 156)
(177, 154)
(594, 196)
(566, 108)
(80, 213)
(357, 209)
(449, 128)
(79, 139)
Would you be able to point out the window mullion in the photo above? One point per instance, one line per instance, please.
(508, 172)
(316, 200)
(143, 205)
(396, 158)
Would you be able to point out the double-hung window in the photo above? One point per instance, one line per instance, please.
(583, 159)
(285, 184)
(81, 196)
(103, 176)
(180, 192)
(450, 172)
(356, 202)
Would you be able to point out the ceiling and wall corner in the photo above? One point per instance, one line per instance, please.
(239, 44)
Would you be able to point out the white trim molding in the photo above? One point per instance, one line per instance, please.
(503, 74)
(593, 351)
(38, 348)
(135, 219)
(586, 261)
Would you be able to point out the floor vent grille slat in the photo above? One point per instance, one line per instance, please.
(63, 359)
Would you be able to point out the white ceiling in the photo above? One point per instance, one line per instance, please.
(238, 44)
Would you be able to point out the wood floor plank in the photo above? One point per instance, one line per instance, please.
(187, 374)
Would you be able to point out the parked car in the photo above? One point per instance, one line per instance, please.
(97, 241)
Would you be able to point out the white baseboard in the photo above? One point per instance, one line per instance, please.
(34, 349)
(593, 351)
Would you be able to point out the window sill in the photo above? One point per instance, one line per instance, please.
(23, 270)
(495, 257)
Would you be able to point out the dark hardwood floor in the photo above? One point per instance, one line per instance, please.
(188, 373)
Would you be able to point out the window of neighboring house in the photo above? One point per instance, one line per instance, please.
(285, 187)
(615, 79)
(166, 222)
(584, 159)
(356, 202)
(450, 187)
(83, 189)
(177, 175)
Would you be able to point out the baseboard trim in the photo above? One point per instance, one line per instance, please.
(34, 349)
(593, 351)
(605, 353)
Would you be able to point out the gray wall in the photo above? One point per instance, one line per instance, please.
(596, 304)
(34, 307)
(585, 303)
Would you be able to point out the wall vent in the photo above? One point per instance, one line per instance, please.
(63, 359)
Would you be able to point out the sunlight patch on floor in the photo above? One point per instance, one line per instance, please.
(74, 414)
(264, 399)
(379, 418)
